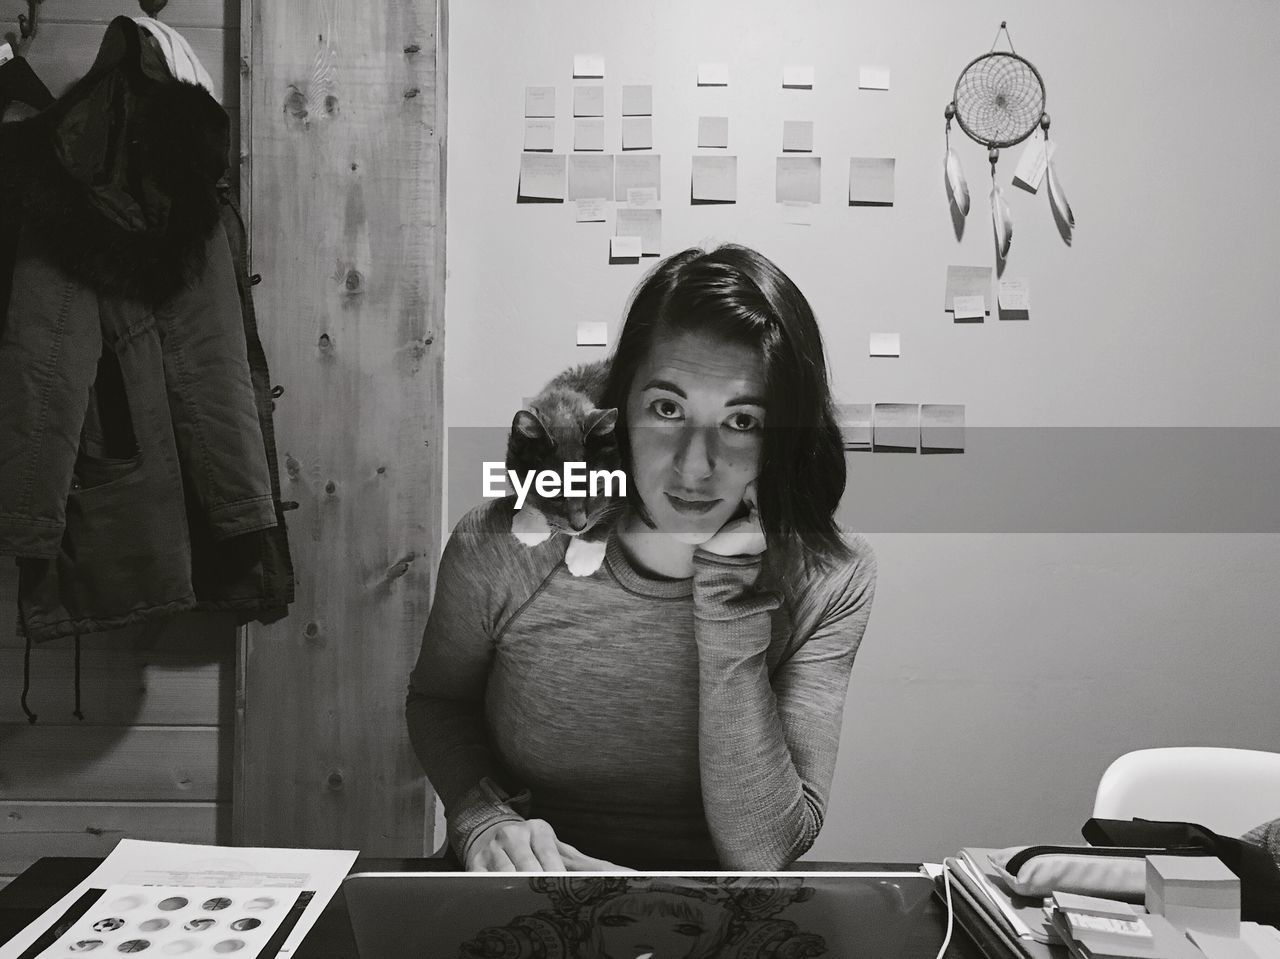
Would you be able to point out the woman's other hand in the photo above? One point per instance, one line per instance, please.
(530, 846)
(743, 536)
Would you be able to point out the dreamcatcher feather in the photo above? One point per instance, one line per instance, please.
(999, 101)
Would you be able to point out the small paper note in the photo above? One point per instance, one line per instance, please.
(590, 176)
(967, 281)
(642, 196)
(1032, 163)
(637, 133)
(637, 100)
(895, 426)
(855, 425)
(969, 307)
(644, 223)
(539, 101)
(588, 100)
(799, 214)
(871, 181)
(591, 209)
(715, 178)
(873, 78)
(593, 334)
(542, 176)
(797, 136)
(625, 247)
(540, 135)
(942, 426)
(886, 344)
(713, 131)
(1014, 298)
(637, 170)
(588, 65)
(713, 74)
(588, 133)
(799, 180)
(797, 75)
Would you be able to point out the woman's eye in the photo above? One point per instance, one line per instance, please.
(665, 409)
(616, 920)
(689, 929)
(743, 422)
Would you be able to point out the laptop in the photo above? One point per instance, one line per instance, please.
(655, 915)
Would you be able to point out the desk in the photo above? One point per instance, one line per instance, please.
(22, 901)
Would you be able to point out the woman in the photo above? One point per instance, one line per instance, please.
(680, 707)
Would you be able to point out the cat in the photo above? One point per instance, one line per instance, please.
(564, 424)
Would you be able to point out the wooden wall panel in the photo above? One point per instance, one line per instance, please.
(348, 234)
(35, 829)
(180, 14)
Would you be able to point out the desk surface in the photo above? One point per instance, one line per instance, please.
(22, 901)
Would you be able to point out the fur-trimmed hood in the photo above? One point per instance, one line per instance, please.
(117, 181)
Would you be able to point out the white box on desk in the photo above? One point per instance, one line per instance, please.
(1194, 892)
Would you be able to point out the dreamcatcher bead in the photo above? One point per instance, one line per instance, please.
(993, 155)
(1044, 122)
(951, 110)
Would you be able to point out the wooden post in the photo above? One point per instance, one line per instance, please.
(345, 178)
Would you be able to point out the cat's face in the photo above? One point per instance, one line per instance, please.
(566, 430)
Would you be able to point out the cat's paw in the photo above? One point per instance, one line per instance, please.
(584, 558)
(530, 527)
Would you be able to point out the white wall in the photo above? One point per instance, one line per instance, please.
(1002, 670)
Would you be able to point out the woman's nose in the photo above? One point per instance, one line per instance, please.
(695, 458)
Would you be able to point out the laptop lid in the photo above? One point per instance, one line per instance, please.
(633, 915)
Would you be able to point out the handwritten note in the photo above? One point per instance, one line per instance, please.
(895, 426)
(625, 247)
(713, 131)
(593, 334)
(715, 178)
(873, 78)
(588, 65)
(799, 180)
(590, 176)
(942, 427)
(967, 281)
(539, 101)
(642, 196)
(871, 181)
(591, 209)
(637, 171)
(637, 100)
(540, 135)
(588, 133)
(886, 344)
(969, 307)
(588, 100)
(855, 425)
(637, 133)
(797, 136)
(644, 223)
(542, 176)
(1014, 298)
(713, 74)
(797, 76)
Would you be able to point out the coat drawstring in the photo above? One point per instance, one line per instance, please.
(26, 665)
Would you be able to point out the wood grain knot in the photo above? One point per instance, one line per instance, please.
(292, 466)
(353, 282)
(325, 344)
(412, 48)
(330, 487)
(312, 630)
(335, 779)
(295, 103)
(411, 93)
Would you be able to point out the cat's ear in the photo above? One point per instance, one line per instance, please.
(526, 423)
(602, 422)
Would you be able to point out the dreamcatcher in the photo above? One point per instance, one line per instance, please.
(999, 100)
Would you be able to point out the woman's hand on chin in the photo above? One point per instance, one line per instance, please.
(740, 537)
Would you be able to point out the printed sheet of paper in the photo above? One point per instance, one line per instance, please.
(886, 344)
(540, 135)
(642, 196)
(588, 133)
(542, 176)
(799, 180)
(593, 334)
(797, 136)
(715, 179)
(539, 101)
(1032, 163)
(588, 100)
(637, 171)
(855, 425)
(967, 281)
(273, 873)
(873, 78)
(797, 75)
(588, 65)
(871, 181)
(713, 74)
(644, 223)
(895, 426)
(713, 132)
(625, 247)
(637, 133)
(1014, 298)
(942, 426)
(590, 176)
(637, 100)
(591, 209)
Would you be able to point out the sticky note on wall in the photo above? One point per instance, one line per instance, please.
(895, 427)
(542, 176)
(713, 74)
(871, 181)
(797, 136)
(713, 131)
(886, 344)
(593, 334)
(588, 100)
(797, 76)
(590, 176)
(968, 281)
(855, 425)
(715, 179)
(637, 100)
(798, 180)
(539, 101)
(645, 223)
(637, 172)
(942, 427)
(588, 65)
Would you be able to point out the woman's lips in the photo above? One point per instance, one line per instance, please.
(696, 506)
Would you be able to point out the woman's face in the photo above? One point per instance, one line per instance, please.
(628, 930)
(695, 415)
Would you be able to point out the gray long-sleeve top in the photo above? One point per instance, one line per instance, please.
(647, 720)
